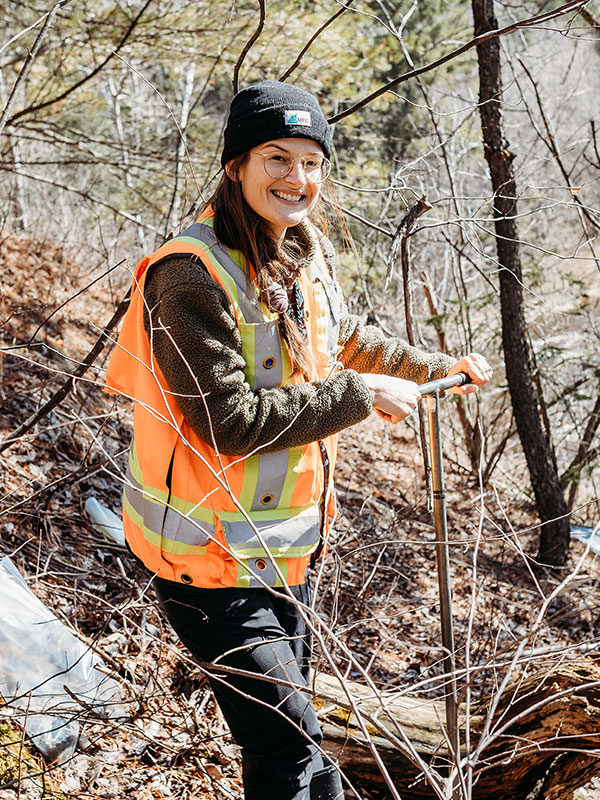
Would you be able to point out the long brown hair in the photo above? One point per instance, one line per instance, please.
(241, 228)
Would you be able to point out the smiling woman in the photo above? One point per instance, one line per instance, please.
(244, 364)
(283, 200)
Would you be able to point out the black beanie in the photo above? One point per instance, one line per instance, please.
(273, 110)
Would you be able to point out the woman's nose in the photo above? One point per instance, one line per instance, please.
(296, 175)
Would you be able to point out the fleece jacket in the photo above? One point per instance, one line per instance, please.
(191, 324)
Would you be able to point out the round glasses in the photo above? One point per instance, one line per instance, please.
(278, 165)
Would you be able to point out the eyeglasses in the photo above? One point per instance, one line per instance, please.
(278, 165)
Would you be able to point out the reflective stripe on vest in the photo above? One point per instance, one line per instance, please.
(171, 523)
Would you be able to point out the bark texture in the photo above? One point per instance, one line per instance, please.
(543, 742)
(541, 461)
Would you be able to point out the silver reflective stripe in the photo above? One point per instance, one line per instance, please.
(152, 512)
(206, 235)
(272, 472)
(279, 536)
(200, 231)
(177, 527)
(267, 575)
(166, 521)
(333, 335)
(267, 350)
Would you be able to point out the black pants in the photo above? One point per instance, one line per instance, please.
(254, 630)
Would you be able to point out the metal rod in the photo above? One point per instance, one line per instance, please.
(444, 383)
(443, 563)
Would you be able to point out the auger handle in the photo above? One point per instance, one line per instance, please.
(444, 383)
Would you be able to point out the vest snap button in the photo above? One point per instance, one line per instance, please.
(269, 363)
(186, 578)
(260, 564)
(266, 499)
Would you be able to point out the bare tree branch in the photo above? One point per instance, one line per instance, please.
(30, 58)
(591, 21)
(92, 74)
(67, 386)
(399, 241)
(248, 45)
(572, 473)
(550, 142)
(526, 23)
(312, 39)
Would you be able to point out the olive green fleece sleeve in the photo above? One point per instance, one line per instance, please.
(196, 342)
(366, 348)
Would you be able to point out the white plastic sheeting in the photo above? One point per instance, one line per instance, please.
(39, 657)
(105, 521)
(589, 536)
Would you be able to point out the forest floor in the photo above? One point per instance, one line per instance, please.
(378, 589)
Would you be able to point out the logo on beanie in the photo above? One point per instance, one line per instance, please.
(297, 118)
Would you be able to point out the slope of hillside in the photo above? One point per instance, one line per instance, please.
(378, 588)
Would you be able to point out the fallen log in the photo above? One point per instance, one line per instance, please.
(543, 741)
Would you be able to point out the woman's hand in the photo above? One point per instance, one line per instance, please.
(393, 398)
(476, 367)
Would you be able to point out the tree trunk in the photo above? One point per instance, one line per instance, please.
(541, 461)
(547, 748)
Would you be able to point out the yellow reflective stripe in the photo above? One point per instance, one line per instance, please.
(323, 317)
(249, 483)
(191, 510)
(247, 335)
(272, 472)
(294, 456)
(284, 536)
(156, 540)
(245, 294)
(230, 263)
(167, 521)
(160, 495)
(271, 364)
(290, 552)
(238, 258)
(266, 476)
(229, 283)
(267, 515)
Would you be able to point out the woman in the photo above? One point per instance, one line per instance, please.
(244, 364)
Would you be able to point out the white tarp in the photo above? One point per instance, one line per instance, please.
(589, 536)
(39, 656)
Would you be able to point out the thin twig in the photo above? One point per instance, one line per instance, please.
(248, 45)
(550, 142)
(591, 21)
(402, 233)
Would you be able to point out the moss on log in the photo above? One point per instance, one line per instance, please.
(20, 770)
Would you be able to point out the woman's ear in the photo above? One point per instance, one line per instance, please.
(231, 172)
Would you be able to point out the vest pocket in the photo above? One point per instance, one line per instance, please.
(185, 530)
(283, 537)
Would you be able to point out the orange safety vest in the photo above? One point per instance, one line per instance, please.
(195, 515)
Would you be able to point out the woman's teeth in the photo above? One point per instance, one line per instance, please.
(292, 198)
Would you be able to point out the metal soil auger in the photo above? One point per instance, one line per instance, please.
(432, 391)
